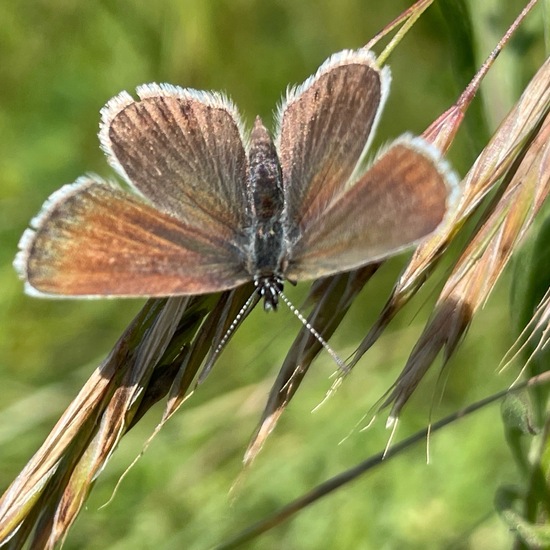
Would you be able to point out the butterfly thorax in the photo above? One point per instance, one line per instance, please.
(265, 184)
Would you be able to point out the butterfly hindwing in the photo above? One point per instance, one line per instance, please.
(183, 150)
(325, 126)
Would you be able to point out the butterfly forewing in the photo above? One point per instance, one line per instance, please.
(183, 150)
(402, 198)
(325, 126)
(93, 239)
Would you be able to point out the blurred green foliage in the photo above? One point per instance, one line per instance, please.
(61, 61)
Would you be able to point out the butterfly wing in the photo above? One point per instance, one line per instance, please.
(402, 198)
(325, 126)
(93, 239)
(183, 150)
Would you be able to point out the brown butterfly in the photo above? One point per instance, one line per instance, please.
(213, 207)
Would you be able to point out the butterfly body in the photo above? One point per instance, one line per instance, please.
(266, 198)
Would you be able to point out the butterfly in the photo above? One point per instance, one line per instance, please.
(211, 207)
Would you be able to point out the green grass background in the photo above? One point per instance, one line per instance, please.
(60, 62)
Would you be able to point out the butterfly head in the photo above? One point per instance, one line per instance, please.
(269, 288)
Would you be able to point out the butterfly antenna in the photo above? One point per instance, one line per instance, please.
(309, 327)
(223, 342)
